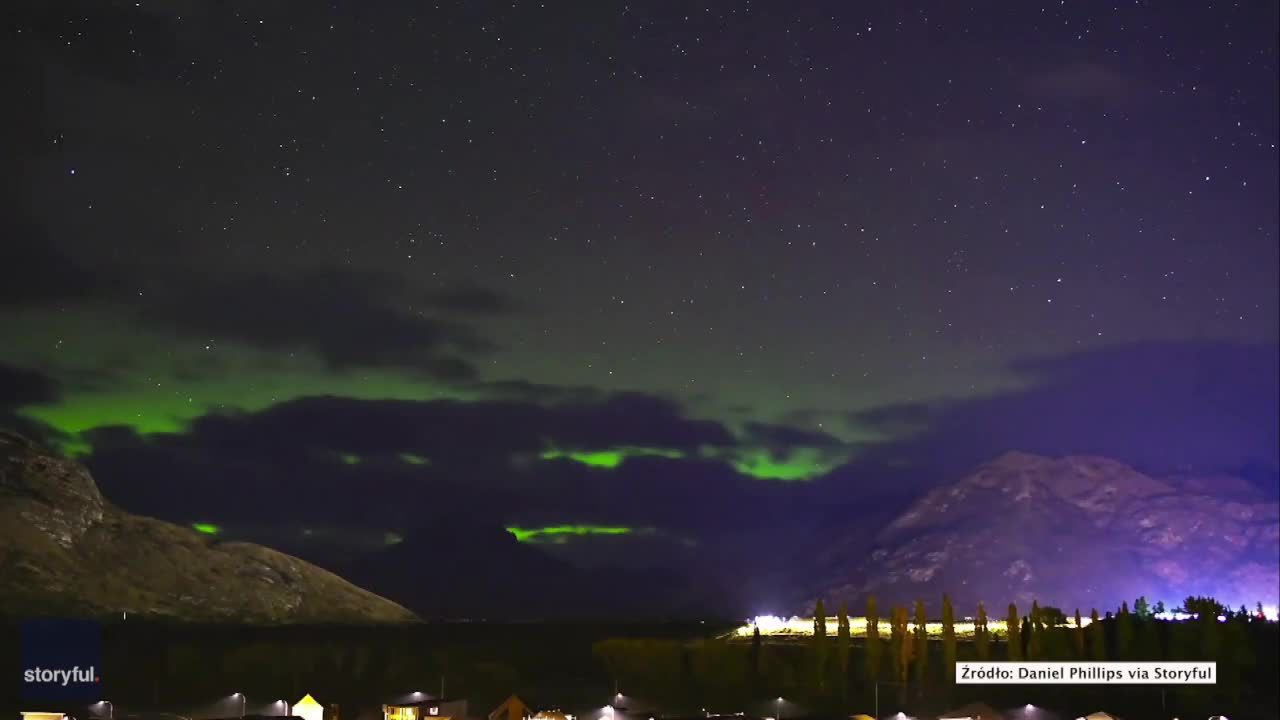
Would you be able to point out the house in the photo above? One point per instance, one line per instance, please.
(426, 710)
(972, 711)
(513, 708)
(307, 708)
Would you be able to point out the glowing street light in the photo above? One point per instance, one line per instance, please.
(111, 708)
(243, 701)
(779, 713)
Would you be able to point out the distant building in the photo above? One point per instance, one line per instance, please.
(513, 708)
(972, 711)
(308, 709)
(426, 710)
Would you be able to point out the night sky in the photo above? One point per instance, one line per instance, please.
(659, 270)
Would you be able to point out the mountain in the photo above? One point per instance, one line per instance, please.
(65, 550)
(1070, 532)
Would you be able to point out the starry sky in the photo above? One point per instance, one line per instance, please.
(651, 269)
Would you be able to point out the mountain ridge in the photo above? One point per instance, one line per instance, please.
(66, 550)
(1075, 530)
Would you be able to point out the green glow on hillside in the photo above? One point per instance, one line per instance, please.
(411, 459)
(609, 459)
(560, 533)
(349, 459)
(206, 528)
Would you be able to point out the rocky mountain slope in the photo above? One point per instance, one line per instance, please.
(65, 550)
(1070, 532)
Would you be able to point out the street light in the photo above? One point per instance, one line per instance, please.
(779, 713)
(111, 708)
(243, 701)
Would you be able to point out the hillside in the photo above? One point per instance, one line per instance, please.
(65, 550)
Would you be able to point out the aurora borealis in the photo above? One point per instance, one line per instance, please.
(607, 273)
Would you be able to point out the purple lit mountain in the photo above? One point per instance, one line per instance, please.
(1071, 532)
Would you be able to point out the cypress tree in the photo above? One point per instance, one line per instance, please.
(1124, 633)
(948, 640)
(1077, 636)
(1034, 632)
(1013, 632)
(873, 640)
(1097, 637)
(843, 643)
(922, 644)
(903, 643)
(753, 662)
(982, 635)
(819, 645)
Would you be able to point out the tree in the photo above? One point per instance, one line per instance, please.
(1124, 633)
(820, 645)
(1077, 636)
(902, 644)
(1203, 606)
(1141, 608)
(1097, 637)
(981, 635)
(1207, 610)
(873, 640)
(1013, 633)
(1158, 608)
(922, 644)
(753, 662)
(1033, 628)
(843, 644)
(948, 640)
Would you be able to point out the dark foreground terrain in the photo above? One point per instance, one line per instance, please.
(669, 669)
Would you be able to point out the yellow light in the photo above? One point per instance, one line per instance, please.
(770, 625)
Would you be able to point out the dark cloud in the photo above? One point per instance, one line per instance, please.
(1165, 407)
(786, 437)
(527, 391)
(20, 387)
(46, 277)
(479, 301)
(896, 420)
(348, 318)
(287, 461)
(1083, 81)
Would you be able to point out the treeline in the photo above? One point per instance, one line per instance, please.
(908, 669)
(179, 666)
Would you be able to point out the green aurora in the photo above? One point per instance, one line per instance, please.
(163, 385)
(759, 463)
(561, 533)
(609, 459)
